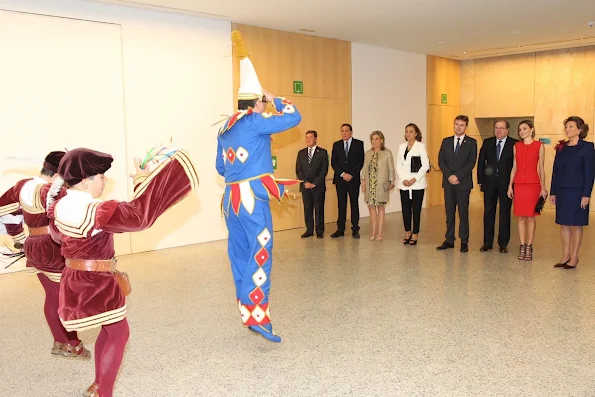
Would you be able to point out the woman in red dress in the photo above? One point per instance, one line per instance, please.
(527, 184)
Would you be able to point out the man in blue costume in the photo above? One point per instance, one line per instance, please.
(244, 159)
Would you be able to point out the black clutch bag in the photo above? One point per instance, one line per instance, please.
(415, 163)
(540, 204)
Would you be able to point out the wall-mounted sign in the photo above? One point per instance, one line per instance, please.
(443, 99)
(298, 87)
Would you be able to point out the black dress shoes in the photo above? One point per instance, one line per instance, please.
(355, 234)
(445, 245)
(307, 234)
(464, 247)
(319, 235)
(337, 234)
(485, 248)
(503, 249)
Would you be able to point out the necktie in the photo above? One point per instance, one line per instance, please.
(310, 150)
(498, 150)
(346, 148)
(458, 145)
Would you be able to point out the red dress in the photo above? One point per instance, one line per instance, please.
(85, 227)
(526, 183)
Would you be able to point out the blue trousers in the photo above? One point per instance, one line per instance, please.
(250, 249)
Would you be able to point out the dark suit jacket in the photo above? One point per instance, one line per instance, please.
(488, 163)
(352, 164)
(460, 164)
(314, 172)
(574, 169)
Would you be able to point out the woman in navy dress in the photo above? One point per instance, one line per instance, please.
(572, 182)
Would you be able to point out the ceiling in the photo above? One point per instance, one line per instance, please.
(459, 29)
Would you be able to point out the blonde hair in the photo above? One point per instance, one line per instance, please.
(381, 136)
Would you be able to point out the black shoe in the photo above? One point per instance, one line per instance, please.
(562, 264)
(355, 234)
(319, 235)
(503, 249)
(485, 248)
(464, 247)
(445, 245)
(307, 234)
(337, 234)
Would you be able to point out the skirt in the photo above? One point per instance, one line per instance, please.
(568, 207)
(526, 196)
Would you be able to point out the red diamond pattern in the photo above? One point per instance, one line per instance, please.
(257, 295)
(261, 256)
(231, 155)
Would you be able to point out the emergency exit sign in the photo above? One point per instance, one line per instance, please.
(298, 87)
(443, 99)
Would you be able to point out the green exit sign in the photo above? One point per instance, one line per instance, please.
(274, 162)
(298, 87)
(443, 99)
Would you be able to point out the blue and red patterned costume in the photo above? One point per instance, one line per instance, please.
(244, 159)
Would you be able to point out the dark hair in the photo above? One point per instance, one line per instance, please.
(244, 104)
(45, 172)
(347, 125)
(312, 132)
(530, 124)
(580, 124)
(500, 121)
(464, 118)
(417, 131)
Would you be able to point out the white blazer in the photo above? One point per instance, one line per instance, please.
(404, 166)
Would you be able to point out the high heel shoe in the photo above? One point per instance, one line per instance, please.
(372, 238)
(412, 242)
(406, 240)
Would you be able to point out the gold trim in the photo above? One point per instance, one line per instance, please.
(248, 179)
(38, 205)
(86, 225)
(110, 317)
(9, 208)
(183, 160)
(19, 237)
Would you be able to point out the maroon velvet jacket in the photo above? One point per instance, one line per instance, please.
(85, 227)
(42, 252)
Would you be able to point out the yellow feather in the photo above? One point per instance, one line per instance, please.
(239, 47)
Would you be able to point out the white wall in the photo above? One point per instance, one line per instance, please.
(389, 92)
(176, 80)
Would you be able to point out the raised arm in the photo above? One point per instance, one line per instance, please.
(167, 185)
(285, 117)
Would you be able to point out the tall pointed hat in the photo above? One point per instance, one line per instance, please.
(250, 87)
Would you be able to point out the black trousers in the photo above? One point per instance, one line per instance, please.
(456, 197)
(491, 197)
(345, 189)
(314, 208)
(411, 208)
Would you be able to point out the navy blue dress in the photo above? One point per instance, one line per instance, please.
(572, 179)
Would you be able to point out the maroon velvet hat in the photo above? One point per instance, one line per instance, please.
(52, 161)
(81, 163)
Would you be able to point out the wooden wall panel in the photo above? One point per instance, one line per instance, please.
(505, 86)
(443, 77)
(324, 66)
(563, 85)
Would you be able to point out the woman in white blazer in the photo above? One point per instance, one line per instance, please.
(412, 165)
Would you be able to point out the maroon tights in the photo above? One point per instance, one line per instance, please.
(50, 309)
(109, 350)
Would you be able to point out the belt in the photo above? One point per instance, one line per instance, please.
(92, 265)
(39, 231)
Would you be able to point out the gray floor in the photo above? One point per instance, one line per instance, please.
(358, 318)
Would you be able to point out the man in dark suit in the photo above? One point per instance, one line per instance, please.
(311, 168)
(456, 159)
(494, 165)
(347, 159)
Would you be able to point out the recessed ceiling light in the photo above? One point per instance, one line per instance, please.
(464, 52)
(440, 42)
(307, 30)
(516, 32)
